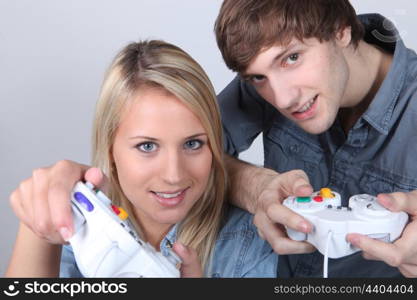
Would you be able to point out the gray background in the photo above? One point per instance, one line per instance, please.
(53, 54)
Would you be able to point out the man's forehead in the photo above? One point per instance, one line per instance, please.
(269, 54)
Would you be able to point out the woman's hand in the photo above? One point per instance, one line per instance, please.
(42, 202)
(191, 266)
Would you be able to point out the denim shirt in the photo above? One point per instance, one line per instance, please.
(378, 155)
(238, 252)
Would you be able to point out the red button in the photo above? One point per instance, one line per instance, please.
(318, 199)
(115, 209)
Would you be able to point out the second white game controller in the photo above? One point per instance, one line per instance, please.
(332, 222)
(105, 243)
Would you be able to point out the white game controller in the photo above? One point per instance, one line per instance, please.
(105, 243)
(332, 222)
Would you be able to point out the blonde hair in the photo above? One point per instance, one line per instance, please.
(162, 65)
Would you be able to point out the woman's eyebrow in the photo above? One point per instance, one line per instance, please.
(144, 137)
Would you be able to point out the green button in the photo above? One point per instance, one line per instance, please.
(303, 199)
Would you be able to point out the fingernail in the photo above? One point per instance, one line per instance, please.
(303, 227)
(354, 240)
(65, 233)
(385, 201)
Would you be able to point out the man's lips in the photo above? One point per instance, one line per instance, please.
(307, 110)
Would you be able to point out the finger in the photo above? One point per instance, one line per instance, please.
(97, 178)
(277, 238)
(387, 252)
(408, 270)
(63, 177)
(369, 256)
(191, 266)
(42, 222)
(26, 203)
(400, 202)
(17, 207)
(295, 183)
(281, 214)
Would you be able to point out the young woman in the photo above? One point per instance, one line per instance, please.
(157, 137)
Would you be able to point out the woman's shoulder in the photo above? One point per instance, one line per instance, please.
(237, 219)
(240, 251)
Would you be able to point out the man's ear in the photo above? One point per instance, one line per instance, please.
(344, 37)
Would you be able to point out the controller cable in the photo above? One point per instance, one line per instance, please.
(326, 255)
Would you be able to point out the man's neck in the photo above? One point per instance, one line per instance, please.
(369, 66)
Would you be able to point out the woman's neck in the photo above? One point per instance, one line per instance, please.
(152, 232)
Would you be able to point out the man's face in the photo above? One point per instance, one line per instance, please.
(306, 81)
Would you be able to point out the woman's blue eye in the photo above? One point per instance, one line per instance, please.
(147, 147)
(193, 144)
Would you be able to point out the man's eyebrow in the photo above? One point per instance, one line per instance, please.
(278, 56)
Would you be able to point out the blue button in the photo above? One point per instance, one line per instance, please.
(88, 206)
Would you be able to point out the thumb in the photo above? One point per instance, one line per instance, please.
(98, 179)
(191, 266)
(295, 182)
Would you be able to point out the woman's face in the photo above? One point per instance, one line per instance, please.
(162, 158)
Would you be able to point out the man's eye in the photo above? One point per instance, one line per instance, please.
(193, 144)
(256, 78)
(147, 147)
(292, 59)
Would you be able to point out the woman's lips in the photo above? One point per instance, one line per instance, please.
(169, 199)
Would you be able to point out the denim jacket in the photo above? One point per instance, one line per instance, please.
(238, 252)
(377, 155)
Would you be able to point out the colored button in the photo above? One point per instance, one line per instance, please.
(303, 199)
(326, 193)
(318, 199)
(123, 214)
(88, 206)
(115, 209)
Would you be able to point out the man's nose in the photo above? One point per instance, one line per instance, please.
(284, 94)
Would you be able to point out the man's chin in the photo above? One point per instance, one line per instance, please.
(314, 128)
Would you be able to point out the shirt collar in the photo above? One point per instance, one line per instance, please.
(168, 240)
(380, 112)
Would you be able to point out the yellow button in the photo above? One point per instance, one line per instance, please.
(326, 193)
(122, 214)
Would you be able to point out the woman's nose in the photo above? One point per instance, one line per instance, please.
(173, 168)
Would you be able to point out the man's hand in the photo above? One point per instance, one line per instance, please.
(403, 252)
(42, 202)
(271, 216)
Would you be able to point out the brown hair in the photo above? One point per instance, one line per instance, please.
(244, 27)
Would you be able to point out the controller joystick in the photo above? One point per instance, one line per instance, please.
(105, 243)
(332, 222)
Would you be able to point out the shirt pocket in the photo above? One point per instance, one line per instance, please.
(376, 180)
(285, 151)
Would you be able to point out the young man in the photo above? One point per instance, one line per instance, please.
(334, 95)
(335, 105)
